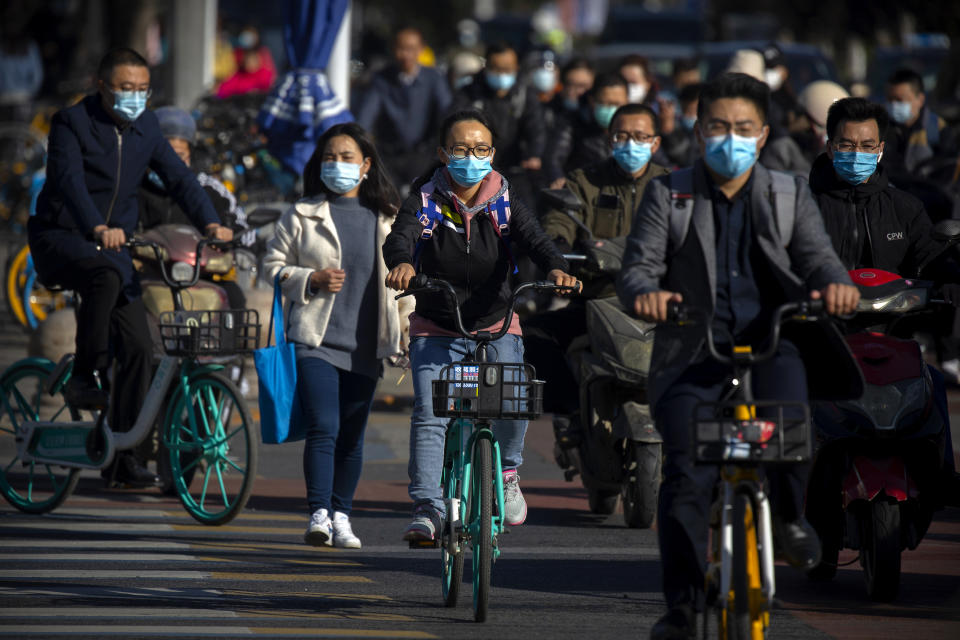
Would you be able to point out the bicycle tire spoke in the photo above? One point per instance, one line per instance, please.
(233, 464)
(203, 490)
(223, 489)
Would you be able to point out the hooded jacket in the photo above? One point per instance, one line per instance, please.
(476, 262)
(873, 224)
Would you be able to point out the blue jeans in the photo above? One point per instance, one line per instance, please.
(335, 405)
(428, 355)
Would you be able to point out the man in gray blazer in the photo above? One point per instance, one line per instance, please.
(734, 239)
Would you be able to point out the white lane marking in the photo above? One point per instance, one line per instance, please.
(112, 612)
(103, 557)
(128, 574)
(25, 543)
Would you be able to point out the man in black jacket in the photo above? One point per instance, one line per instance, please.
(874, 224)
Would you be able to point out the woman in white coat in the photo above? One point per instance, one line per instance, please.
(340, 315)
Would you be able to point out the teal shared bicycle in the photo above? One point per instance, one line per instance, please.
(473, 393)
(207, 432)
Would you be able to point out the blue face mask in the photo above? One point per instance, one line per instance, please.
(632, 156)
(855, 167)
(730, 155)
(603, 114)
(468, 171)
(688, 122)
(544, 80)
(501, 81)
(900, 111)
(340, 177)
(129, 104)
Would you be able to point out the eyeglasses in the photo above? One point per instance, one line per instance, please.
(620, 137)
(460, 151)
(847, 146)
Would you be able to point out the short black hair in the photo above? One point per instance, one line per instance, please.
(685, 64)
(633, 109)
(905, 75)
(574, 64)
(635, 60)
(856, 110)
(605, 80)
(735, 85)
(117, 58)
(462, 116)
(498, 48)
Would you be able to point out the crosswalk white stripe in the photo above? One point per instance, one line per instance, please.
(102, 557)
(131, 574)
(26, 543)
(113, 612)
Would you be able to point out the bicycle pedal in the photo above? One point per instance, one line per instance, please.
(424, 544)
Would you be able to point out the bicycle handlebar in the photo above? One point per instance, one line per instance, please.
(680, 315)
(422, 283)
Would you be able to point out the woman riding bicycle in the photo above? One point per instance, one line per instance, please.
(458, 224)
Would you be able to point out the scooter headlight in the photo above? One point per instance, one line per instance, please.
(900, 302)
(181, 272)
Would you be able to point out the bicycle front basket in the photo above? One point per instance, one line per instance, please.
(199, 333)
(779, 434)
(488, 390)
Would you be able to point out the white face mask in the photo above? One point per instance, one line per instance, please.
(773, 78)
(636, 93)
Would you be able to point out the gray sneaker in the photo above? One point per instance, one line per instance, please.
(514, 506)
(424, 526)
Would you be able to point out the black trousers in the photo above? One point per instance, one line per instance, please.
(687, 490)
(109, 326)
(546, 338)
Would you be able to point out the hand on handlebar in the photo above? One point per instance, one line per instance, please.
(219, 232)
(653, 306)
(839, 299)
(400, 276)
(109, 237)
(563, 279)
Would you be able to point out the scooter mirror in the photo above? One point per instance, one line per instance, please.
(946, 231)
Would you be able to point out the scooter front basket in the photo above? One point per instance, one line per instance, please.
(205, 333)
(776, 433)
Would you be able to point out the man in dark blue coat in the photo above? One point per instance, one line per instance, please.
(99, 150)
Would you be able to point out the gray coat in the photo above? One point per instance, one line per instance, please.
(651, 263)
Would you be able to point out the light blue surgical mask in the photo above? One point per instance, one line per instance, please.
(855, 167)
(603, 114)
(129, 105)
(900, 112)
(340, 177)
(544, 80)
(469, 170)
(730, 155)
(688, 122)
(500, 81)
(632, 156)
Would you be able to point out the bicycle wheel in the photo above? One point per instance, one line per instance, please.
(32, 487)
(209, 436)
(452, 563)
(746, 615)
(481, 515)
(29, 301)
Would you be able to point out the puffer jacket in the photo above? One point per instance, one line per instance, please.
(873, 224)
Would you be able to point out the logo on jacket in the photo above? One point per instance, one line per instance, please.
(895, 236)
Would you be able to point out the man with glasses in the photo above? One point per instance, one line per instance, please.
(610, 191)
(875, 225)
(733, 239)
(98, 152)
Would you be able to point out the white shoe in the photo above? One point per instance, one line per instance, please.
(343, 536)
(320, 530)
(514, 506)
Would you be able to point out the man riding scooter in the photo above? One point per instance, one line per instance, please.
(872, 224)
(610, 192)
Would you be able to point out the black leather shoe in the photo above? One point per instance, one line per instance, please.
(83, 393)
(127, 470)
(677, 624)
(799, 543)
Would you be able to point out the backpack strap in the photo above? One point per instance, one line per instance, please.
(681, 206)
(783, 196)
(429, 216)
(499, 215)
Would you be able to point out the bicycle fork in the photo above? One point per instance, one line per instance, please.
(762, 521)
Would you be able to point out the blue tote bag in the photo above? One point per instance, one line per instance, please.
(277, 371)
